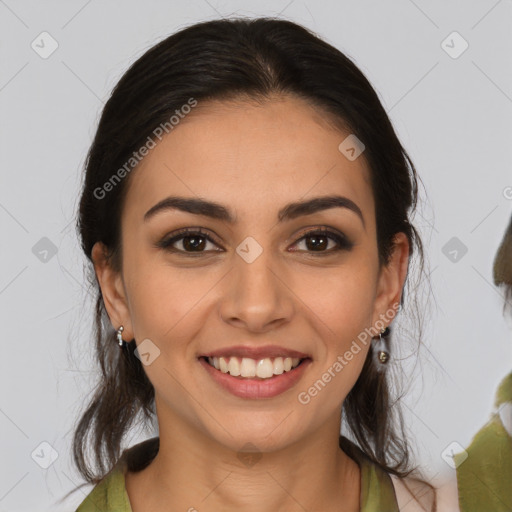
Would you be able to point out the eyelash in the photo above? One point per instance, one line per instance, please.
(341, 240)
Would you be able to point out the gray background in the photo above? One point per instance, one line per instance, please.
(451, 114)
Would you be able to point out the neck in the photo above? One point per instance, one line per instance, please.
(193, 473)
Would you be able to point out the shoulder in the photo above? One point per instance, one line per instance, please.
(414, 495)
(110, 494)
(379, 489)
(484, 469)
(503, 403)
(107, 495)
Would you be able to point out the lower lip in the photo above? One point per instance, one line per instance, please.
(247, 387)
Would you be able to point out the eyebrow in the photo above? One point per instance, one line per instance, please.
(219, 212)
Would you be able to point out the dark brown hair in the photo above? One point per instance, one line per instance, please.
(223, 60)
(502, 268)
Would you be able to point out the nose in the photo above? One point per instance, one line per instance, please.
(257, 296)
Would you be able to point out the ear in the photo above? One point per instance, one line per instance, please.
(391, 281)
(112, 290)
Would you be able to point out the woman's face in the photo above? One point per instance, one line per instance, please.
(252, 283)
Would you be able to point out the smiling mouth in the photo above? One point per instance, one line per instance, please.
(247, 368)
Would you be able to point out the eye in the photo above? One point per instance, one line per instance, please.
(191, 240)
(318, 241)
(194, 240)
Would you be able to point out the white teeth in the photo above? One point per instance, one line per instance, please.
(247, 367)
(278, 366)
(234, 367)
(264, 368)
(223, 365)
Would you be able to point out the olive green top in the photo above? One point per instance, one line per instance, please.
(109, 495)
(484, 478)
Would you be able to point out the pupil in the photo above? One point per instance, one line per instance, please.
(315, 239)
(191, 242)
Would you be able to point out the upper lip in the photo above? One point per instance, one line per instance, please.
(270, 351)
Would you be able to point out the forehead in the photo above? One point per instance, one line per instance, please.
(251, 155)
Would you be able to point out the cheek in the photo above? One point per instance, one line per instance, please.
(165, 301)
(341, 306)
(341, 299)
